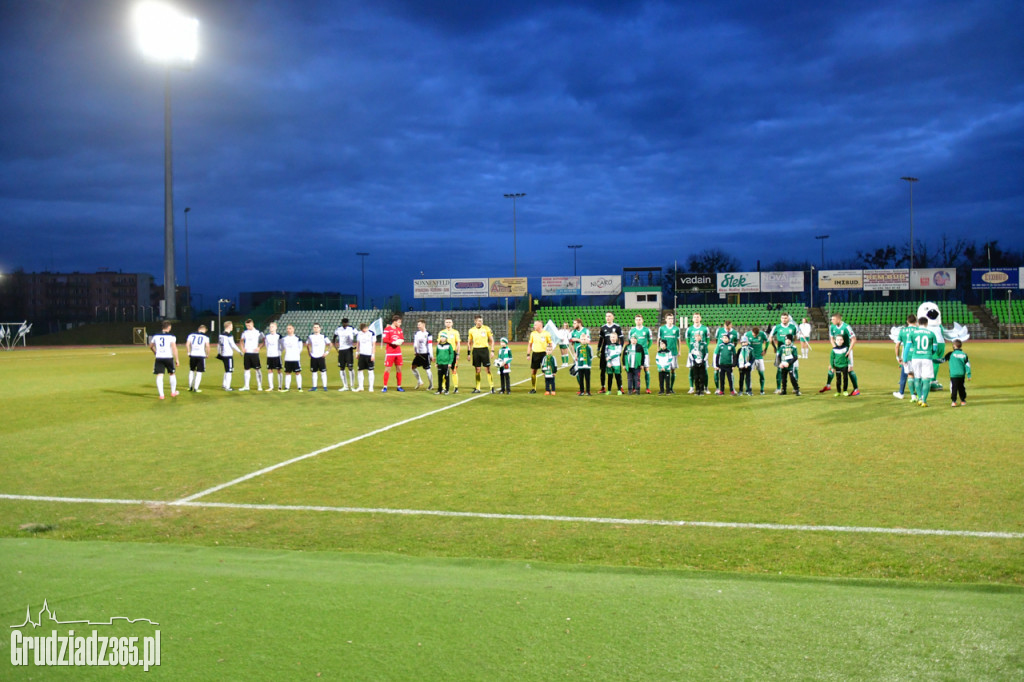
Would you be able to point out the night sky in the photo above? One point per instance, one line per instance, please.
(646, 131)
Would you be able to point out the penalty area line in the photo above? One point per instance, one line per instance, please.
(803, 528)
(356, 439)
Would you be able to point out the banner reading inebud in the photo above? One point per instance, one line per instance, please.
(601, 285)
(840, 279)
(739, 282)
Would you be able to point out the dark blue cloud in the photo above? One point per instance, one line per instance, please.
(643, 130)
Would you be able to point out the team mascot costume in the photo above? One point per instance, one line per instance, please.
(931, 312)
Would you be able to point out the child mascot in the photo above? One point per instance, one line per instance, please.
(931, 312)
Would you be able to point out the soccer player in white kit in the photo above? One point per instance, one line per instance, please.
(345, 336)
(197, 345)
(366, 345)
(318, 347)
(165, 347)
(291, 348)
(803, 333)
(252, 342)
(423, 347)
(272, 342)
(226, 349)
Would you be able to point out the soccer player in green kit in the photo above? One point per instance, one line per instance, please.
(758, 341)
(697, 327)
(921, 348)
(669, 333)
(644, 338)
(785, 327)
(840, 328)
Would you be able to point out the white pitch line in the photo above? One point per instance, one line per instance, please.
(545, 517)
(274, 467)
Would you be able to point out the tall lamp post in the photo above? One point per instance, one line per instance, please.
(220, 302)
(188, 287)
(911, 181)
(362, 255)
(513, 197)
(821, 238)
(574, 248)
(170, 38)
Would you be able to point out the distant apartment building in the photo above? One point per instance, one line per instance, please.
(52, 299)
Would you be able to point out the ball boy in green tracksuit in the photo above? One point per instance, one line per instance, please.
(959, 371)
(504, 365)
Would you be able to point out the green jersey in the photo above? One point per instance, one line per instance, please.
(584, 356)
(758, 344)
(670, 335)
(959, 364)
(504, 359)
(728, 335)
(445, 354)
(643, 337)
(549, 366)
(842, 329)
(725, 353)
(789, 353)
(613, 354)
(691, 334)
(840, 358)
(781, 331)
(698, 353)
(634, 355)
(574, 337)
(922, 344)
(664, 361)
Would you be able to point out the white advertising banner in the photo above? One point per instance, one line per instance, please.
(601, 285)
(475, 287)
(431, 288)
(840, 279)
(887, 280)
(792, 280)
(739, 282)
(933, 278)
(559, 286)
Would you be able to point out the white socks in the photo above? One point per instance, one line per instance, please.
(160, 384)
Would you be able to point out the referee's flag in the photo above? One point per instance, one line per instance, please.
(552, 329)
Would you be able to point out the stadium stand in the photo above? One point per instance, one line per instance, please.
(329, 320)
(894, 313)
(1007, 312)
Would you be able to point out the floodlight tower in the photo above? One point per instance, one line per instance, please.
(170, 38)
(910, 181)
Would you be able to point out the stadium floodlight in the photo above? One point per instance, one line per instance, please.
(910, 181)
(513, 196)
(362, 255)
(165, 35)
(170, 38)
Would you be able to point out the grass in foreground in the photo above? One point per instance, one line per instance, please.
(263, 614)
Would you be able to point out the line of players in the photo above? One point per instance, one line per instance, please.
(630, 351)
(355, 351)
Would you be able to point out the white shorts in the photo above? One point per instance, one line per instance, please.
(758, 364)
(922, 368)
(907, 367)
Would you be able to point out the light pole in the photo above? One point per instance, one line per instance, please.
(821, 238)
(220, 302)
(911, 181)
(188, 288)
(170, 38)
(574, 248)
(362, 255)
(513, 197)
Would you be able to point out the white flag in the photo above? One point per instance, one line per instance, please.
(23, 329)
(3, 332)
(378, 328)
(552, 329)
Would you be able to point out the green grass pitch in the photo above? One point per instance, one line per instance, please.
(519, 509)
